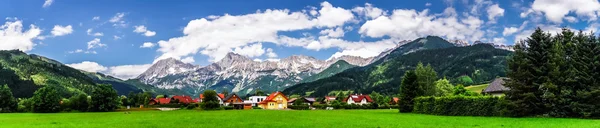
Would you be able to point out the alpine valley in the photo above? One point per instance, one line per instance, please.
(297, 74)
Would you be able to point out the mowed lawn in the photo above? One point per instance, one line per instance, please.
(277, 119)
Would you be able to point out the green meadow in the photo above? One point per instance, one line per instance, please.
(277, 119)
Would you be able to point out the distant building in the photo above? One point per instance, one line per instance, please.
(183, 99)
(496, 88)
(257, 99)
(329, 99)
(220, 96)
(276, 100)
(358, 99)
(306, 100)
(394, 101)
(233, 98)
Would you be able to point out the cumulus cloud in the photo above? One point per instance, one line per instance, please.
(271, 54)
(337, 32)
(95, 43)
(147, 45)
(555, 10)
(142, 29)
(121, 71)
(47, 3)
(427, 4)
(188, 59)
(96, 18)
(369, 11)
(13, 36)
(61, 30)
(494, 11)
(88, 66)
(509, 31)
(254, 50)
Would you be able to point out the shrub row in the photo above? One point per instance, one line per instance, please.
(299, 107)
(460, 105)
(355, 106)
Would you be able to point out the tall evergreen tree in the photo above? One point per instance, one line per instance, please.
(409, 89)
(426, 77)
(8, 103)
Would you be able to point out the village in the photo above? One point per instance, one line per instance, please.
(279, 101)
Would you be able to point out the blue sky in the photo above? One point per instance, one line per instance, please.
(108, 36)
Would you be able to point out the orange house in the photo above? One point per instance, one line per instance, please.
(276, 100)
(231, 99)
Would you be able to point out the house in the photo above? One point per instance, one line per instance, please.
(275, 100)
(496, 88)
(394, 101)
(233, 98)
(159, 101)
(329, 99)
(358, 99)
(220, 96)
(242, 105)
(306, 100)
(183, 99)
(153, 102)
(257, 99)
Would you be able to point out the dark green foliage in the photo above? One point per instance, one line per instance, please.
(299, 101)
(260, 93)
(210, 101)
(80, 102)
(299, 107)
(8, 103)
(460, 105)
(46, 100)
(25, 105)
(408, 91)
(452, 62)
(191, 106)
(461, 91)
(20, 88)
(464, 80)
(227, 107)
(555, 76)
(104, 99)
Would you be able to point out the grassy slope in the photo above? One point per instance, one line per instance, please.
(477, 88)
(272, 119)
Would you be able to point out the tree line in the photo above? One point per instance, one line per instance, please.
(555, 75)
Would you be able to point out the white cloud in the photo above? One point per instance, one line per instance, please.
(271, 54)
(88, 66)
(330, 16)
(95, 43)
(188, 59)
(61, 30)
(47, 3)
(254, 50)
(115, 37)
(12, 36)
(499, 40)
(495, 11)
(91, 33)
(96, 18)
(147, 45)
(509, 31)
(369, 11)
(144, 30)
(337, 32)
(571, 19)
(555, 10)
(121, 71)
(552, 29)
(427, 4)
(117, 20)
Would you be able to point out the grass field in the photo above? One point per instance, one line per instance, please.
(477, 88)
(276, 119)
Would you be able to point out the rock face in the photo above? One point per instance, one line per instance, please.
(239, 74)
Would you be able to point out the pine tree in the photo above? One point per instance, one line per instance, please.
(409, 89)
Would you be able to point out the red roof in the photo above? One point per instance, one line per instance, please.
(183, 99)
(358, 98)
(221, 95)
(330, 98)
(271, 97)
(164, 100)
(395, 99)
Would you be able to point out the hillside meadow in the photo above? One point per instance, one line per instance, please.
(275, 118)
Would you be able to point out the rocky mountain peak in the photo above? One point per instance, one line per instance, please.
(163, 68)
(232, 59)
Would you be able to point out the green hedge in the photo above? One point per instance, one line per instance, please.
(299, 107)
(460, 105)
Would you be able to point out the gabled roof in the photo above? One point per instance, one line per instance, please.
(309, 99)
(358, 98)
(164, 100)
(272, 97)
(395, 99)
(220, 95)
(232, 96)
(496, 86)
(183, 99)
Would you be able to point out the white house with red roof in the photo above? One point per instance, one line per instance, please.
(358, 99)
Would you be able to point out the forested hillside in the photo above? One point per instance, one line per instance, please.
(481, 62)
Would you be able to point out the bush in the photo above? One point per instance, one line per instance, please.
(228, 107)
(8, 102)
(299, 107)
(256, 107)
(192, 106)
(46, 100)
(210, 101)
(25, 105)
(460, 105)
